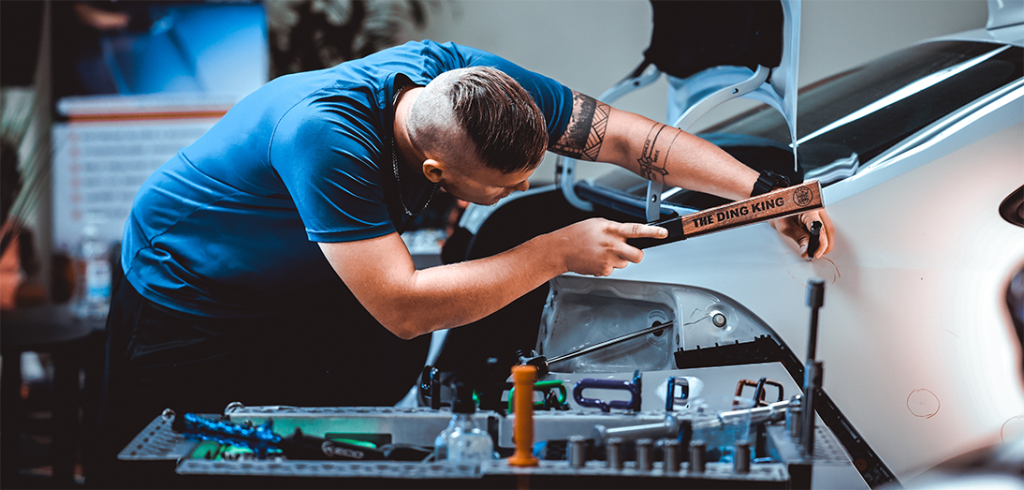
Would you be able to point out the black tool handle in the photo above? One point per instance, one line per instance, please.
(675, 234)
(815, 240)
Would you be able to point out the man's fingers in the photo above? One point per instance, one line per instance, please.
(788, 227)
(824, 248)
(636, 230)
(639, 230)
(629, 253)
(793, 228)
(830, 232)
(803, 241)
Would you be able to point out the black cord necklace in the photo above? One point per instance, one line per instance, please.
(394, 163)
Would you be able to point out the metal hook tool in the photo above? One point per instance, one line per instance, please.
(542, 363)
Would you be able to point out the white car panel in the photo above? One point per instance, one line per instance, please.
(914, 334)
(918, 346)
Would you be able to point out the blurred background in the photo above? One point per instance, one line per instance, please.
(98, 94)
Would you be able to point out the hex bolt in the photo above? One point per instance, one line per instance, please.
(670, 454)
(645, 454)
(741, 458)
(577, 451)
(698, 456)
(614, 456)
(718, 318)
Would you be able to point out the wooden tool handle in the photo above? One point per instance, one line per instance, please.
(775, 204)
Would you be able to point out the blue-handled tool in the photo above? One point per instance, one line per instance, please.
(262, 440)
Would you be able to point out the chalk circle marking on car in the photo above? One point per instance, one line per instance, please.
(923, 403)
(1012, 429)
(814, 269)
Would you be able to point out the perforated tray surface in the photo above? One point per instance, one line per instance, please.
(158, 442)
(331, 469)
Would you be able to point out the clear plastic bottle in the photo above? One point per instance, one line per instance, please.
(92, 287)
(463, 441)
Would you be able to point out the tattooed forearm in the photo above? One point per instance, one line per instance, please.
(586, 130)
(653, 167)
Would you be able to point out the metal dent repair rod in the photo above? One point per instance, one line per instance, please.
(813, 368)
(542, 363)
(610, 342)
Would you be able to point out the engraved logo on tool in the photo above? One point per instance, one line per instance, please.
(733, 213)
(803, 196)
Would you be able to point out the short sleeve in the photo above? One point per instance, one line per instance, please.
(325, 152)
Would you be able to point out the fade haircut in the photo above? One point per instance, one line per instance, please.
(489, 108)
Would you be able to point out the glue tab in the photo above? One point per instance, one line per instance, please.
(523, 378)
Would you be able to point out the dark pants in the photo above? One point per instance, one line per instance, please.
(328, 351)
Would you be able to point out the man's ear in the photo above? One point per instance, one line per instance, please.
(434, 170)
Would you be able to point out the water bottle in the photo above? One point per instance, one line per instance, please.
(463, 441)
(92, 287)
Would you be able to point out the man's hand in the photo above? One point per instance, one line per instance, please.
(598, 246)
(797, 229)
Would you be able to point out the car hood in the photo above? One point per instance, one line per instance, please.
(716, 51)
(1003, 14)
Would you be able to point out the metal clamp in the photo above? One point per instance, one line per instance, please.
(607, 384)
(548, 402)
(670, 393)
(759, 391)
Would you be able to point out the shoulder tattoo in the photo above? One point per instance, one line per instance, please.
(586, 129)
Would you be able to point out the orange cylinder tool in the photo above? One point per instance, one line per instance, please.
(523, 378)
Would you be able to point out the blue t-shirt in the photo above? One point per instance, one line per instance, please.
(230, 225)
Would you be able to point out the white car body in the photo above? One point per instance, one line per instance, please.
(918, 346)
(915, 334)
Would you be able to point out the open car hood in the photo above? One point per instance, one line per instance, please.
(711, 52)
(714, 52)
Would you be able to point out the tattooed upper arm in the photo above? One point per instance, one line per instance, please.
(585, 132)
